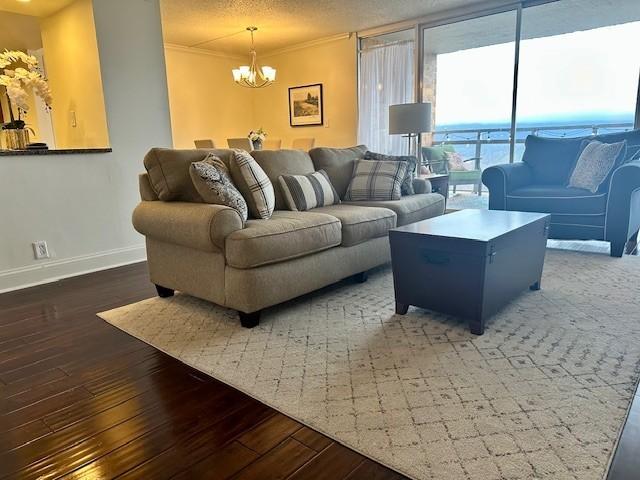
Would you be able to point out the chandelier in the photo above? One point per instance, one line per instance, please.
(252, 76)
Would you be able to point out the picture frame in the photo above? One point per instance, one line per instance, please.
(306, 105)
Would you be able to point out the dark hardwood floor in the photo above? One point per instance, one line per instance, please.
(81, 398)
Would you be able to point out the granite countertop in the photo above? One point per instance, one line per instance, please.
(64, 151)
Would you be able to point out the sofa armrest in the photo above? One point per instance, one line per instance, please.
(501, 179)
(194, 225)
(623, 206)
(422, 185)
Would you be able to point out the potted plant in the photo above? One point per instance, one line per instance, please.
(257, 137)
(20, 74)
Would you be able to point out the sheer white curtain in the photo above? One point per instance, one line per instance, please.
(386, 78)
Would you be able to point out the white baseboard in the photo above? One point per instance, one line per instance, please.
(51, 271)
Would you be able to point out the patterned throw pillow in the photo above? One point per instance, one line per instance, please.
(253, 183)
(455, 162)
(214, 185)
(407, 181)
(376, 180)
(304, 192)
(594, 164)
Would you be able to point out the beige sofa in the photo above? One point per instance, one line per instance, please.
(206, 251)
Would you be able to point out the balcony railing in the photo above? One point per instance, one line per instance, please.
(475, 138)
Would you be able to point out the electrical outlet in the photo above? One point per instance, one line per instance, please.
(41, 250)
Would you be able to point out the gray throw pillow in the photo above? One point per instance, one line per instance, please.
(594, 164)
(304, 192)
(376, 180)
(212, 182)
(407, 181)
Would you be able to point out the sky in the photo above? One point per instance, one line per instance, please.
(585, 74)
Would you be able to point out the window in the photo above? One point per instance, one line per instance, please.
(577, 74)
(386, 78)
(468, 78)
(578, 69)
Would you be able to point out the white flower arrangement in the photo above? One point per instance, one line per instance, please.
(257, 135)
(20, 81)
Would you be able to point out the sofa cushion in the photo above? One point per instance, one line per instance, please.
(360, 224)
(253, 183)
(557, 199)
(282, 162)
(551, 159)
(338, 163)
(284, 236)
(411, 209)
(168, 171)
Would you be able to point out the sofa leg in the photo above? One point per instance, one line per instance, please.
(250, 320)
(164, 292)
(361, 277)
(617, 249)
(632, 244)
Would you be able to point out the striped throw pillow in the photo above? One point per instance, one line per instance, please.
(376, 180)
(304, 192)
(253, 183)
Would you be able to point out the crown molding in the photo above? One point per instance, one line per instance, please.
(303, 45)
(203, 51)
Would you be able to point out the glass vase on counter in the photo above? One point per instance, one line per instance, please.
(15, 138)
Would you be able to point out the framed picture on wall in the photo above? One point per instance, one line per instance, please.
(305, 105)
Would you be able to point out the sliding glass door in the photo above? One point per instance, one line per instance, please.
(561, 68)
(386, 78)
(467, 75)
(578, 69)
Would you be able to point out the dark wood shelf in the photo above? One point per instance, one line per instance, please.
(62, 151)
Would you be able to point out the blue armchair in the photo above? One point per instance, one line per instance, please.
(539, 184)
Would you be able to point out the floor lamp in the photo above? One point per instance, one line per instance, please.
(410, 120)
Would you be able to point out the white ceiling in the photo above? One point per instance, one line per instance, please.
(219, 25)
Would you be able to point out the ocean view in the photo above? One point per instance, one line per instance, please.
(491, 140)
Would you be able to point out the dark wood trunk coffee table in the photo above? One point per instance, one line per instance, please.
(469, 263)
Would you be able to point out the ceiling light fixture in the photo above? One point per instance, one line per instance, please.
(252, 76)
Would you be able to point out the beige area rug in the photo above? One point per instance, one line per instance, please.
(543, 394)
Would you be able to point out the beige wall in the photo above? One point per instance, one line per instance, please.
(334, 64)
(206, 103)
(73, 71)
(204, 100)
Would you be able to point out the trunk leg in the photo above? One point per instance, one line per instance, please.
(164, 292)
(535, 286)
(476, 327)
(250, 320)
(402, 308)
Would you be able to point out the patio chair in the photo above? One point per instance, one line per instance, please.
(436, 158)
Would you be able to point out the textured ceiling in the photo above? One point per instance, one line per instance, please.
(220, 24)
(36, 8)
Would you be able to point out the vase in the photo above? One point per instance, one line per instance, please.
(257, 144)
(16, 138)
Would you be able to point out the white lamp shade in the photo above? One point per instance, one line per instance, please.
(409, 118)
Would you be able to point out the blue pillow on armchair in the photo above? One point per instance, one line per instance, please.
(551, 159)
